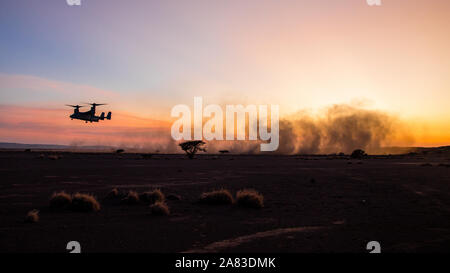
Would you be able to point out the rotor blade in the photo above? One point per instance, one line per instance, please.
(95, 104)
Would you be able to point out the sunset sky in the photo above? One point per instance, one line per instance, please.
(143, 57)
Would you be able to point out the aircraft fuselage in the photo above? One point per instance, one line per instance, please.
(89, 116)
(85, 116)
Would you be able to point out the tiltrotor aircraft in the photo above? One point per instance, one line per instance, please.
(88, 116)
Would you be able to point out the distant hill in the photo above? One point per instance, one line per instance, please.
(438, 151)
(21, 146)
(443, 150)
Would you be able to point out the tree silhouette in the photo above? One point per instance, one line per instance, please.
(192, 147)
(358, 154)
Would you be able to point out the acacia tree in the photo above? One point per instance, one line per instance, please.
(358, 154)
(192, 147)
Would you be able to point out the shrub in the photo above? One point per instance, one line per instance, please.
(132, 198)
(250, 198)
(217, 197)
(60, 201)
(159, 208)
(32, 216)
(152, 196)
(84, 202)
(358, 154)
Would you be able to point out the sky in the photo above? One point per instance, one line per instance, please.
(144, 57)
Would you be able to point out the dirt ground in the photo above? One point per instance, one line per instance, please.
(311, 203)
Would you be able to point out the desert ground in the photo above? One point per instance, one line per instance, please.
(311, 203)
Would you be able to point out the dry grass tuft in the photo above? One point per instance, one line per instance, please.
(152, 196)
(60, 201)
(146, 156)
(160, 208)
(32, 216)
(114, 194)
(250, 198)
(132, 198)
(84, 202)
(217, 197)
(173, 197)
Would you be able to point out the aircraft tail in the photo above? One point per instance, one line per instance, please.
(102, 116)
(108, 116)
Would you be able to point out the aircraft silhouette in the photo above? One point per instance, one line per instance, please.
(88, 116)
